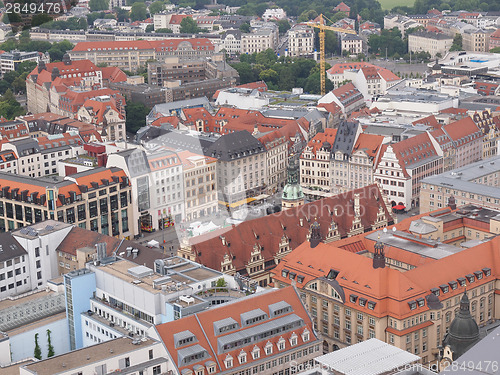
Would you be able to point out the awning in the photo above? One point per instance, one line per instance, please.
(241, 202)
(399, 207)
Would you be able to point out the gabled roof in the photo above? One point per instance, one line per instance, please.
(99, 109)
(429, 121)
(391, 289)
(207, 340)
(414, 150)
(319, 139)
(293, 224)
(342, 7)
(347, 92)
(462, 131)
(370, 143)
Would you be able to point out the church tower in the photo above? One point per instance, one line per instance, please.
(293, 195)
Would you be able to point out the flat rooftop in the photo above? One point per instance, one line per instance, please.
(180, 274)
(86, 356)
(455, 183)
(370, 357)
(406, 241)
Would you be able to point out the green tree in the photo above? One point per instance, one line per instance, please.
(164, 31)
(38, 352)
(245, 27)
(156, 7)
(307, 15)
(283, 26)
(136, 116)
(269, 76)
(221, 283)
(245, 72)
(40, 19)
(139, 12)
(49, 343)
(122, 15)
(98, 5)
(58, 50)
(457, 43)
(495, 50)
(189, 26)
(150, 28)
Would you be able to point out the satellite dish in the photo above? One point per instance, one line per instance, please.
(393, 229)
(385, 230)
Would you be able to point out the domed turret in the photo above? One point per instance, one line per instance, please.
(463, 332)
(55, 73)
(66, 59)
(292, 192)
(41, 66)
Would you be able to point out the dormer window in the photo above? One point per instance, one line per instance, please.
(470, 278)
(228, 362)
(293, 339)
(284, 273)
(362, 302)
(461, 281)
(256, 352)
(281, 344)
(268, 348)
(413, 305)
(353, 298)
(445, 288)
(453, 285)
(420, 302)
(486, 271)
(305, 335)
(478, 274)
(242, 357)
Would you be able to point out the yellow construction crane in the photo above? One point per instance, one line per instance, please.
(322, 27)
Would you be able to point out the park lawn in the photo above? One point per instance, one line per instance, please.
(389, 4)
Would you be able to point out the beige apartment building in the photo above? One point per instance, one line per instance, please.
(130, 55)
(434, 43)
(200, 185)
(398, 291)
(300, 41)
(351, 43)
(477, 183)
(98, 199)
(258, 41)
(476, 40)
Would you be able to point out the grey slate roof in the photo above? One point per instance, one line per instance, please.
(235, 146)
(9, 247)
(345, 138)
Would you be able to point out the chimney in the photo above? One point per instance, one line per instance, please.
(452, 203)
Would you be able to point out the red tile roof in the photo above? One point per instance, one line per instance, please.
(342, 7)
(391, 289)
(201, 325)
(158, 45)
(99, 109)
(370, 143)
(317, 142)
(270, 230)
(172, 120)
(463, 131)
(413, 150)
(429, 121)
